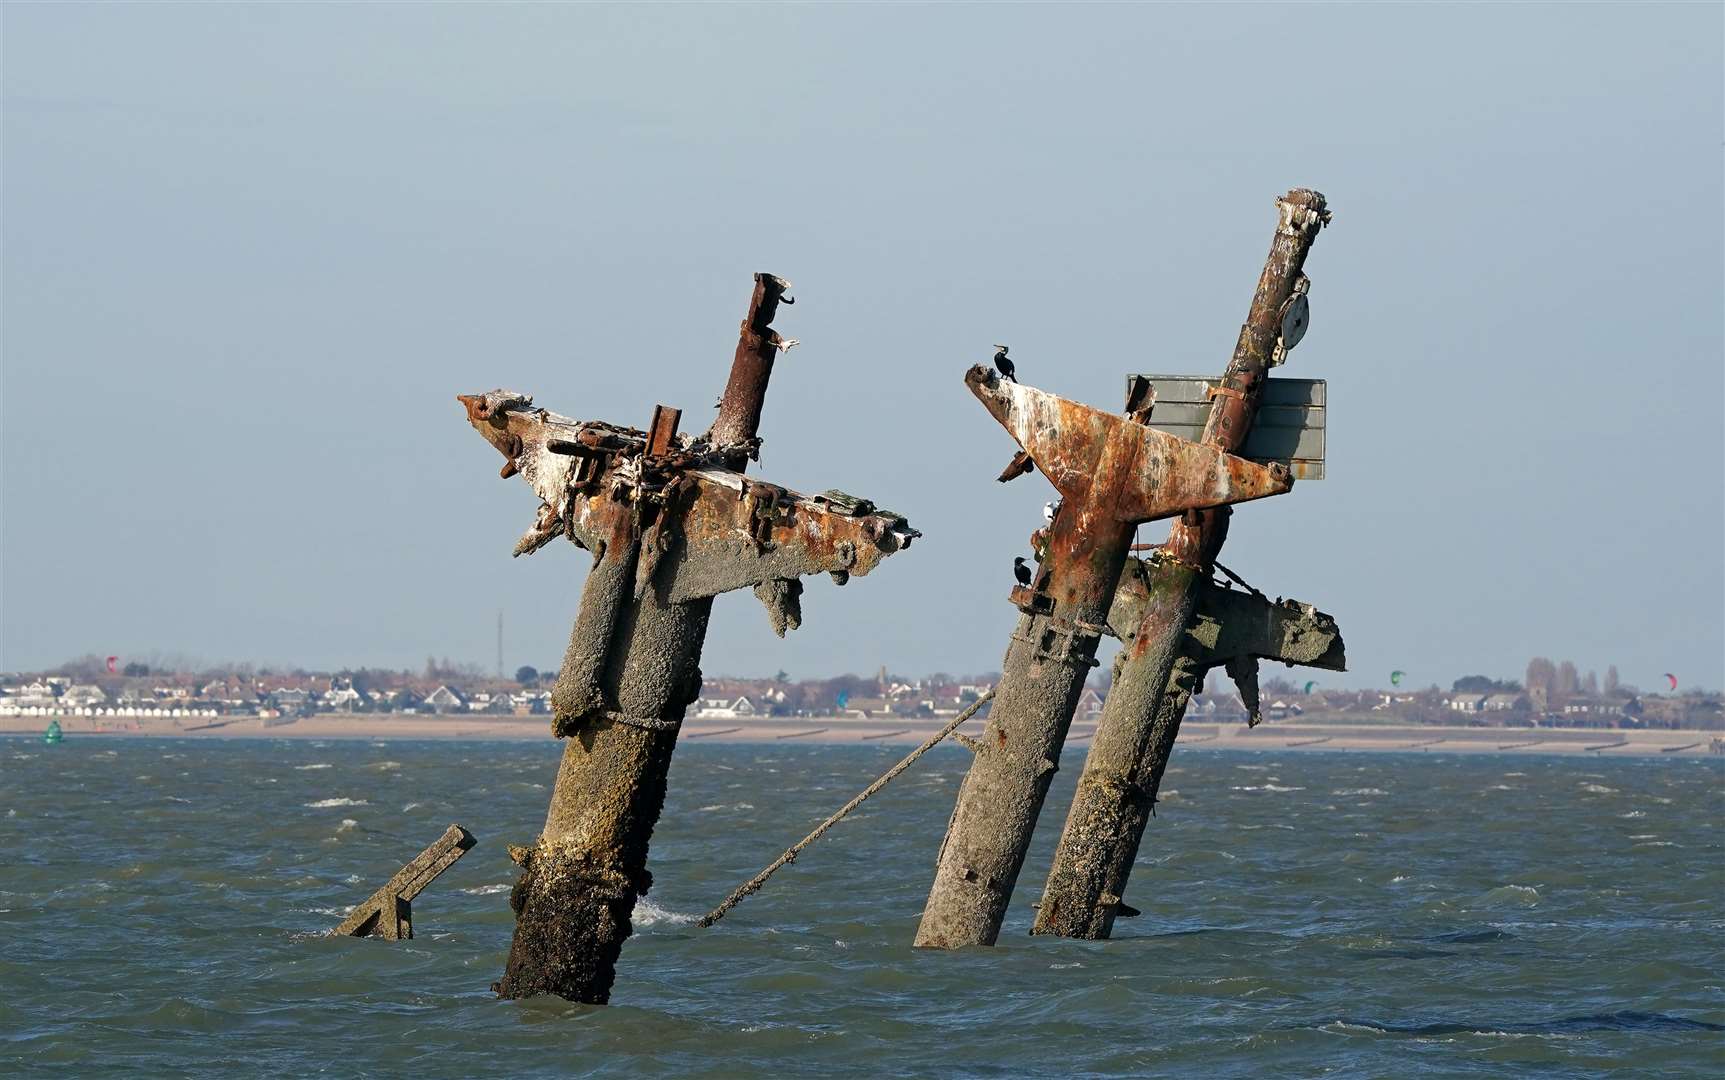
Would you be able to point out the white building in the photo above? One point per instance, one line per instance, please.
(725, 709)
(82, 696)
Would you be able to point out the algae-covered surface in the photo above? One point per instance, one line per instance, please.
(1399, 915)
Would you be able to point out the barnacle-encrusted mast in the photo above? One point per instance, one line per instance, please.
(671, 522)
(1112, 473)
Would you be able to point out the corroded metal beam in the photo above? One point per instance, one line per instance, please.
(1157, 668)
(1112, 473)
(671, 522)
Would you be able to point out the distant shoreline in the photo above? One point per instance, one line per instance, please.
(1301, 735)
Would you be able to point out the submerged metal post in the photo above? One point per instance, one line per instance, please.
(1175, 625)
(388, 912)
(671, 522)
(1112, 472)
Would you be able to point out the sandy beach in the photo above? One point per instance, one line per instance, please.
(1282, 735)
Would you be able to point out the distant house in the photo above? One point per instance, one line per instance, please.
(292, 700)
(345, 699)
(530, 702)
(403, 700)
(1281, 710)
(1089, 704)
(39, 693)
(1468, 703)
(83, 696)
(725, 708)
(445, 699)
(1505, 702)
(1221, 707)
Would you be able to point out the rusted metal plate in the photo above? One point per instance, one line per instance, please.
(1139, 473)
(1288, 427)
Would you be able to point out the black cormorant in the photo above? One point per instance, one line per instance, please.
(1021, 571)
(1002, 364)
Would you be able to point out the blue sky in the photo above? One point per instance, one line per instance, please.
(251, 253)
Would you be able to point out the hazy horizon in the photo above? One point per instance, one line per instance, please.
(252, 253)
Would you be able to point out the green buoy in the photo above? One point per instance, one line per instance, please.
(52, 735)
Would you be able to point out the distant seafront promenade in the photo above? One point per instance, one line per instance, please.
(1303, 734)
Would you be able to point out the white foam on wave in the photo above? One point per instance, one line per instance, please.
(325, 804)
(1360, 791)
(1501, 787)
(1252, 768)
(315, 765)
(648, 913)
(489, 890)
(1265, 787)
(411, 806)
(385, 766)
(1599, 789)
(1633, 814)
(1512, 894)
(176, 798)
(346, 824)
(1659, 843)
(1515, 774)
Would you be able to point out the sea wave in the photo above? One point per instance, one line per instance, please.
(647, 913)
(313, 765)
(489, 890)
(325, 804)
(1525, 895)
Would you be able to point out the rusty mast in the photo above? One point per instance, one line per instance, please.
(1112, 472)
(671, 522)
(1176, 626)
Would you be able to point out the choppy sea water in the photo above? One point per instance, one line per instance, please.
(1371, 915)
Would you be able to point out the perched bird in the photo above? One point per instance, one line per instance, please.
(1048, 511)
(1021, 571)
(1002, 364)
